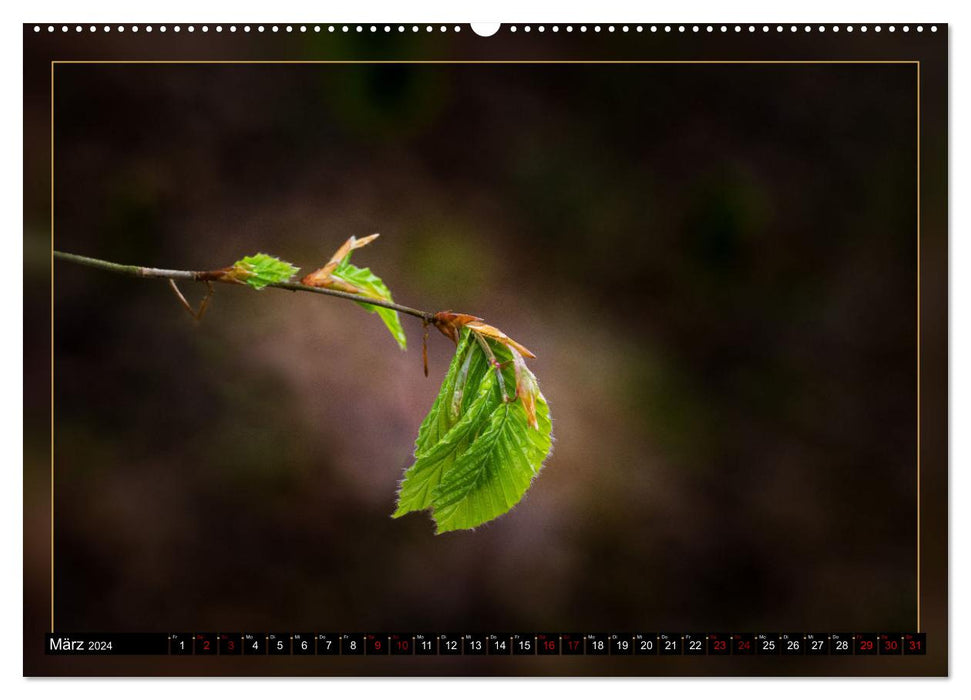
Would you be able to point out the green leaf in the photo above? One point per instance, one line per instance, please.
(261, 270)
(494, 473)
(416, 488)
(476, 453)
(372, 286)
(426, 473)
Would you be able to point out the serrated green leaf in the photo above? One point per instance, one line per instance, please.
(416, 487)
(494, 473)
(372, 286)
(476, 453)
(426, 473)
(439, 419)
(261, 270)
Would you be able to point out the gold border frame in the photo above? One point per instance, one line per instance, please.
(491, 62)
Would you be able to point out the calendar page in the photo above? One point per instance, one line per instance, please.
(467, 350)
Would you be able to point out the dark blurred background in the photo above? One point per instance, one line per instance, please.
(715, 266)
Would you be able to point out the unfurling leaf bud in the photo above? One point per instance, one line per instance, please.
(259, 271)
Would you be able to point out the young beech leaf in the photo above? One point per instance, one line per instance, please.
(341, 275)
(370, 285)
(261, 270)
(424, 475)
(482, 443)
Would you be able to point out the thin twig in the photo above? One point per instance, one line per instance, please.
(424, 344)
(205, 301)
(203, 305)
(182, 300)
(215, 276)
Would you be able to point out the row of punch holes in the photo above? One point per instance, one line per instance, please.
(387, 28)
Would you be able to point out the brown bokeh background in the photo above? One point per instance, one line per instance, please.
(715, 264)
